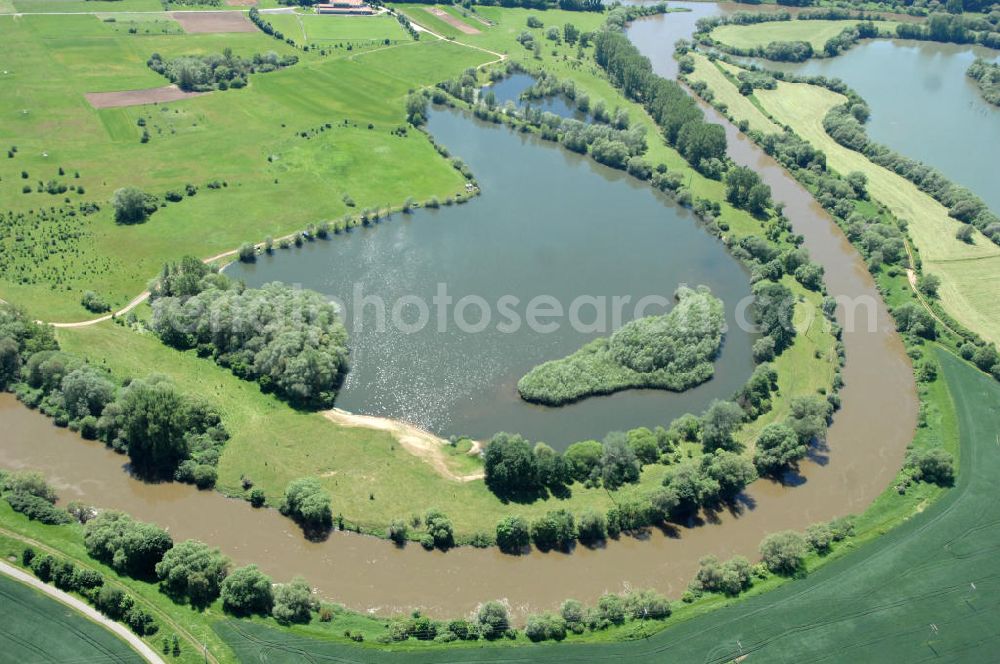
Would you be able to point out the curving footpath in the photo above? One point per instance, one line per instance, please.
(92, 614)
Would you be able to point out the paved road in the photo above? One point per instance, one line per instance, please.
(120, 630)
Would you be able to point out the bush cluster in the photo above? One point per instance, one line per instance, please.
(28, 493)
(201, 73)
(165, 433)
(109, 600)
(674, 351)
(290, 341)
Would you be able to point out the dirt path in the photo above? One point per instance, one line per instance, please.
(92, 614)
(500, 57)
(139, 299)
(418, 442)
(911, 277)
(152, 608)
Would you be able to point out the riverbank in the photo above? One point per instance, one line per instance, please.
(967, 269)
(65, 636)
(516, 580)
(880, 617)
(417, 441)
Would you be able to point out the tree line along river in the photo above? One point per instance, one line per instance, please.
(864, 448)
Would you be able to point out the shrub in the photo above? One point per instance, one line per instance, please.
(129, 546)
(247, 591)
(647, 605)
(132, 205)
(934, 465)
(493, 619)
(192, 570)
(777, 446)
(439, 529)
(784, 552)
(554, 530)
(309, 504)
(247, 252)
(398, 531)
(583, 459)
(29, 494)
(610, 610)
(731, 577)
(257, 497)
(544, 627)
(93, 302)
(294, 602)
(592, 527)
(513, 534)
(510, 466)
(819, 537)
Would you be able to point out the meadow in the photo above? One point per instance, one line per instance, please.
(321, 30)
(86, 6)
(854, 605)
(815, 32)
(268, 143)
(714, 76)
(278, 181)
(969, 272)
(39, 628)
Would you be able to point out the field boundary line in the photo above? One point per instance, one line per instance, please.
(911, 278)
(181, 631)
(89, 612)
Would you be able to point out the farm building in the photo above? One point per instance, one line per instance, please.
(344, 7)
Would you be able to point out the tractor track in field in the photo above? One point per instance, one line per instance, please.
(152, 608)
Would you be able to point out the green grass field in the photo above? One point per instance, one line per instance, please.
(320, 28)
(970, 273)
(86, 6)
(139, 25)
(37, 628)
(739, 105)
(329, 30)
(249, 138)
(229, 136)
(876, 603)
(817, 33)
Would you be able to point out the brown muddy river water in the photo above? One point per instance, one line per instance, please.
(864, 450)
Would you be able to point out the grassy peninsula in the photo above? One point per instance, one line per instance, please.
(669, 352)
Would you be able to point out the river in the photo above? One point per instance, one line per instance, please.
(864, 450)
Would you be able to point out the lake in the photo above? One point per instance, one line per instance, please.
(923, 105)
(548, 224)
